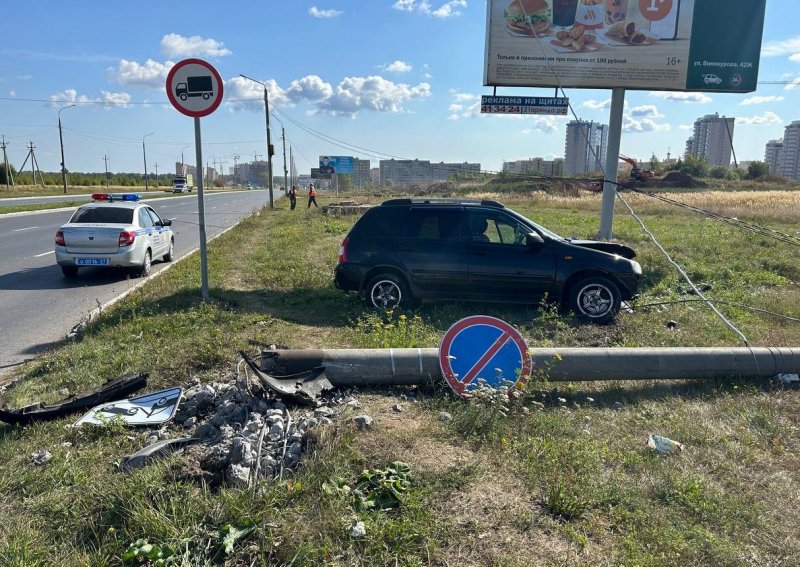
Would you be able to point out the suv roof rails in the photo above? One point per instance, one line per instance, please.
(443, 201)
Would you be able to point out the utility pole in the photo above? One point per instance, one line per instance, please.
(269, 139)
(144, 155)
(156, 166)
(5, 161)
(183, 163)
(61, 140)
(34, 163)
(235, 164)
(285, 172)
(105, 159)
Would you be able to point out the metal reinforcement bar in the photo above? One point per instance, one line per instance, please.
(408, 366)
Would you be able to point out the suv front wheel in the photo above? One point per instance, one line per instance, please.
(595, 300)
(387, 291)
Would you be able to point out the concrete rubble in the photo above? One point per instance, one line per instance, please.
(245, 433)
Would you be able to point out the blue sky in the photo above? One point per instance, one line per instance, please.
(395, 77)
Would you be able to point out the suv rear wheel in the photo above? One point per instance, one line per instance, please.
(387, 291)
(595, 300)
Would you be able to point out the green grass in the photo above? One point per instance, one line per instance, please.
(558, 477)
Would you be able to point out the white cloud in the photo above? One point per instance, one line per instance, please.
(24, 77)
(69, 96)
(310, 87)
(109, 99)
(593, 104)
(766, 118)
(175, 45)
(793, 84)
(317, 13)
(686, 127)
(682, 96)
(354, 94)
(445, 10)
(632, 125)
(546, 124)
(12, 93)
(398, 67)
(645, 111)
(426, 71)
(350, 96)
(776, 48)
(760, 100)
(148, 74)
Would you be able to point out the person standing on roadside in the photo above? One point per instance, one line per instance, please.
(312, 196)
(293, 197)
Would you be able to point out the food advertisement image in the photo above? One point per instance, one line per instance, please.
(634, 44)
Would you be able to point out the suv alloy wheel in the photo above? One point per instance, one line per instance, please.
(387, 291)
(595, 299)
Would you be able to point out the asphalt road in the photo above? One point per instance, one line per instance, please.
(38, 306)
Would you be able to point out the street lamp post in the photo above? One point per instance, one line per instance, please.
(144, 155)
(285, 171)
(269, 138)
(61, 139)
(183, 163)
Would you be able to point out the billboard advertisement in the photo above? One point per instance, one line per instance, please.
(680, 45)
(335, 164)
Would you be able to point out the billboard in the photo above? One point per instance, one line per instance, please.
(335, 164)
(524, 105)
(317, 174)
(681, 45)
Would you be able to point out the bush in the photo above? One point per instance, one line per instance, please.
(757, 170)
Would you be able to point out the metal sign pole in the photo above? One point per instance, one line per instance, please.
(201, 209)
(612, 164)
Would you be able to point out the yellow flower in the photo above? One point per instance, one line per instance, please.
(557, 356)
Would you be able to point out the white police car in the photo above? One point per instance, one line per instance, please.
(115, 229)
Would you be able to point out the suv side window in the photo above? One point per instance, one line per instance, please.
(433, 223)
(380, 222)
(496, 227)
(144, 219)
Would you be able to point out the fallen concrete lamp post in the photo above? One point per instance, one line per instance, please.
(410, 366)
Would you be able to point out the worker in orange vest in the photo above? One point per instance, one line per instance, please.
(312, 196)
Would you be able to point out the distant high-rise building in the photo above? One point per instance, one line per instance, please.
(585, 149)
(773, 156)
(413, 172)
(535, 166)
(711, 140)
(791, 151)
(361, 172)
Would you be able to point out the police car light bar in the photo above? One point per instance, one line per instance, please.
(116, 197)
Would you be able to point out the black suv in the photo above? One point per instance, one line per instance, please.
(411, 249)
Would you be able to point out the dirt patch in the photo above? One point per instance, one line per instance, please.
(678, 179)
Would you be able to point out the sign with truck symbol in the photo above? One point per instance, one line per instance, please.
(194, 87)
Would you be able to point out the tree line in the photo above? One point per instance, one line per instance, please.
(84, 179)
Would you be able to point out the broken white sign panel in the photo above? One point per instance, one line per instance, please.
(150, 409)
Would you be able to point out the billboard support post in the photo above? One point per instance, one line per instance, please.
(612, 164)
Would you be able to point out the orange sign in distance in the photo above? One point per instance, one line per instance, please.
(654, 10)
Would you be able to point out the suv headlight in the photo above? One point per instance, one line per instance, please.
(637, 269)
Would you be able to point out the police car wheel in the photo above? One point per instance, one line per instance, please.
(169, 255)
(69, 271)
(147, 264)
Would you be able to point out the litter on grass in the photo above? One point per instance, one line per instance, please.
(663, 444)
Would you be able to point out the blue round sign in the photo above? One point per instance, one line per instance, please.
(483, 350)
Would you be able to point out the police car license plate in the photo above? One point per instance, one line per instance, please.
(92, 261)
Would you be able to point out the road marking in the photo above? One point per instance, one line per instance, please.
(26, 228)
(45, 254)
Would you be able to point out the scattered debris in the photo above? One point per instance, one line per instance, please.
(618, 406)
(158, 449)
(304, 387)
(398, 408)
(444, 416)
(362, 421)
(663, 444)
(41, 457)
(787, 379)
(672, 325)
(358, 530)
(345, 208)
(151, 409)
(111, 390)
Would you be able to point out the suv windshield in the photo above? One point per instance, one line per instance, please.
(109, 215)
(539, 228)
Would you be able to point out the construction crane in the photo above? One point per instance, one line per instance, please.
(641, 175)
